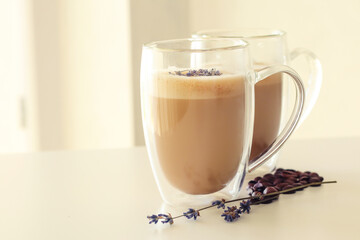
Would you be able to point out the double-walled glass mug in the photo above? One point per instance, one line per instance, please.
(269, 47)
(197, 100)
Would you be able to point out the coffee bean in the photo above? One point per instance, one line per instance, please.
(289, 181)
(281, 186)
(321, 179)
(267, 184)
(292, 178)
(252, 182)
(258, 187)
(267, 191)
(288, 187)
(314, 179)
(279, 176)
(314, 174)
(269, 177)
(304, 178)
(277, 181)
(270, 190)
(263, 180)
(304, 182)
(298, 185)
(257, 179)
(287, 173)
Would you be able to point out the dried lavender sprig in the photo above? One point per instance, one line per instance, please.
(250, 198)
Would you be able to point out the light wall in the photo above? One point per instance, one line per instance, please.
(329, 28)
(14, 71)
(80, 96)
(96, 75)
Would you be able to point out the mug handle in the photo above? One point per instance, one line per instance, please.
(261, 75)
(313, 84)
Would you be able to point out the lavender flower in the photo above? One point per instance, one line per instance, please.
(199, 72)
(153, 219)
(167, 218)
(231, 214)
(245, 206)
(192, 213)
(219, 204)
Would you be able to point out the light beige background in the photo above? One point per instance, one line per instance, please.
(73, 78)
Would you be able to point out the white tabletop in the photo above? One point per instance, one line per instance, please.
(107, 194)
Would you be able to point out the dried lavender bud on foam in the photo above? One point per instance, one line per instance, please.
(197, 73)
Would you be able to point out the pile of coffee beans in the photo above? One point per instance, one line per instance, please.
(282, 179)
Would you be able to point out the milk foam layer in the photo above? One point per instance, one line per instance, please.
(197, 87)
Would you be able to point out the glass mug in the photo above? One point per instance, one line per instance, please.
(197, 102)
(269, 47)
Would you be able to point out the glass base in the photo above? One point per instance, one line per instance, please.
(182, 200)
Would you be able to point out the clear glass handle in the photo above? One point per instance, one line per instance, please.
(262, 74)
(313, 83)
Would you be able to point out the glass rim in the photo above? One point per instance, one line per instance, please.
(247, 33)
(155, 45)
